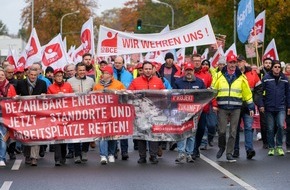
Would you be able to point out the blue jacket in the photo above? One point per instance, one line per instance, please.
(126, 76)
(196, 83)
(276, 93)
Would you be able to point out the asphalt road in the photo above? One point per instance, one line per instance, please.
(207, 172)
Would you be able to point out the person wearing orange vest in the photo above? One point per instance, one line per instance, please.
(107, 81)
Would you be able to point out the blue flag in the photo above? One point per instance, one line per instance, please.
(245, 19)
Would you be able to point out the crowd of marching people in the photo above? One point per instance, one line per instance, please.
(239, 86)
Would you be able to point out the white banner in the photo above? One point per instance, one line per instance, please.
(113, 42)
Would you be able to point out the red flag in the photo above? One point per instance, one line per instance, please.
(260, 25)
(271, 51)
(194, 51)
(87, 37)
(204, 55)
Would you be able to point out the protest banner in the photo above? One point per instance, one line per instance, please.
(152, 115)
(113, 42)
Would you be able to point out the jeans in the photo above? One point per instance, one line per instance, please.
(3, 145)
(223, 116)
(186, 145)
(248, 132)
(124, 146)
(107, 147)
(199, 132)
(288, 131)
(275, 118)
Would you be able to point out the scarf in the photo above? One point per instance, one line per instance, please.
(106, 84)
(3, 90)
(31, 86)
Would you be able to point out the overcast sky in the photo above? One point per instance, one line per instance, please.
(11, 10)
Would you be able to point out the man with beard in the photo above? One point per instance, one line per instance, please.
(87, 60)
(267, 62)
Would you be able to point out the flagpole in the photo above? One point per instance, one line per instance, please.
(256, 46)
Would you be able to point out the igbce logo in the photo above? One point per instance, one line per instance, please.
(109, 45)
(32, 49)
(52, 53)
(21, 62)
(86, 40)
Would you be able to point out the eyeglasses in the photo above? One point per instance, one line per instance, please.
(277, 67)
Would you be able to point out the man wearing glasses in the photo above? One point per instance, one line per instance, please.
(274, 104)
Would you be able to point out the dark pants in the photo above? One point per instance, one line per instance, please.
(81, 147)
(263, 126)
(124, 146)
(153, 148)
(11, 148)
(288, 131)
(59, 152)
(70, 147)
(199, 132)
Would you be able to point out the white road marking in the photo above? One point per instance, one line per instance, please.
(6, 185)
(16, 165)
(227, 173)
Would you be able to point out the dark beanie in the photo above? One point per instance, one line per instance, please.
(169, 56)
(275, 62)
(49, 69)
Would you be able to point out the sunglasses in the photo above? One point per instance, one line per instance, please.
(277, 67)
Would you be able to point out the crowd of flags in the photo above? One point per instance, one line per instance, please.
(56, 55)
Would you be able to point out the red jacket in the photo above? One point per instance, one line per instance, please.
(204, 75)
(55, 88)
(143, 83)
(7, 90)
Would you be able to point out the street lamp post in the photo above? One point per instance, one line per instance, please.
(67, 14)
(32, 14)
(172, 10)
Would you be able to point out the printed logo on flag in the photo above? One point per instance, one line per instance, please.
(32, 49)
(86, 40)
(109, 45)
(258, 27)
(270, 54)
(21, 62)
(52, 53)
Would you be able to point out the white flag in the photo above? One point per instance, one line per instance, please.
(53, 54)
(33, 49)
(87, 37)
(180, 56)
(271, 51)
(204, 55)
(11, 57)
(232, 50)
(260, 25)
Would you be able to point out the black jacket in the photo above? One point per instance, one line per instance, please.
(22, 88)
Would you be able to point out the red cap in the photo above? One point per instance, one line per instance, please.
(188, 66)
(57, 71)
(231, 57)
(156, 65)
(108, 69)
(19, 70)
(139, 66)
